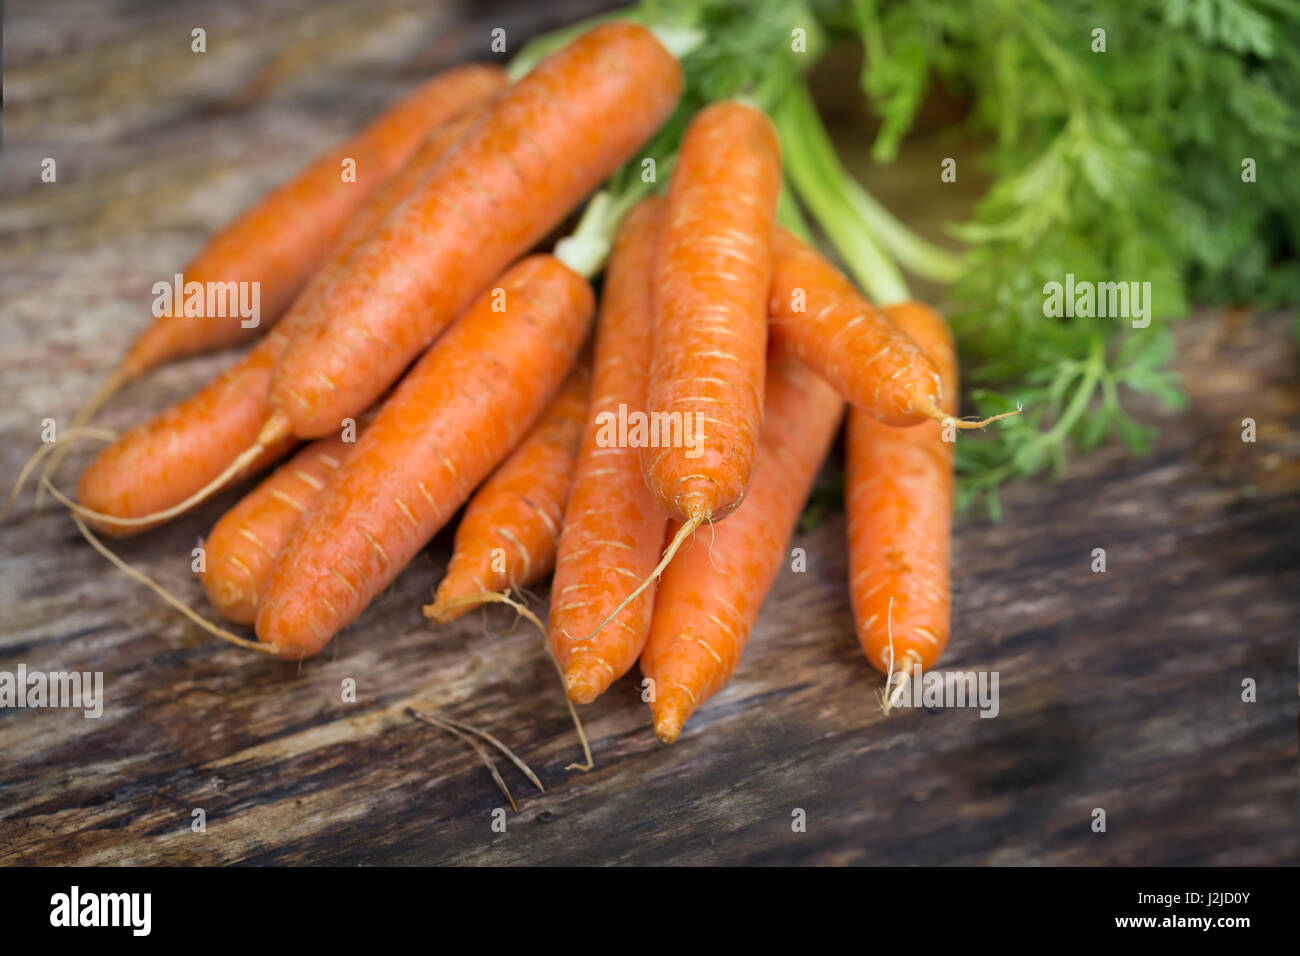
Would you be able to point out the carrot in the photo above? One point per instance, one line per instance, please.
(899, 496)
(544, 144)
(278, 242)
(308, 307)
(510, 528)
(246, 540)
(163, 466)
(819, 317)
(711, 282)
(432, 150)
(173, 455)
(455, 415)
(539, 148)
(710, 322)
(613, 528)
(709, 598)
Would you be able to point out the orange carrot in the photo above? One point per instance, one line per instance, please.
(159, 466)
(711, 281)
(278, 242)
(710, 323)
(709, 597)
(246, 540)
(613, 528)
(455, 415)
(174, 454)
(899, 496)
(306, 308)
(819, 317)
(508, 534)
(544, 144)
(517, 169)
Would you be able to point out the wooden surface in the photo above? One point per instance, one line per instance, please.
(1118, 690)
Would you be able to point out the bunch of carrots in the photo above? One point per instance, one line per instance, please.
(428, 357)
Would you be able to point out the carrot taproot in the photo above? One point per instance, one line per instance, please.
(818, 316)
(710, 596)
(508, 534)
(613, 528)
(278, 242)
(899, 498)
(244, 543)
(164, 466)
(456, 415)
(711, 280)
(710, 322)
(162, 592)
(545, 142)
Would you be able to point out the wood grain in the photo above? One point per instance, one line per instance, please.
(1119, 690)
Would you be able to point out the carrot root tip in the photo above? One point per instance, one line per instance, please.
(671, 710)
(943, 418)
(668, 727)
(893, 696)
(444, 610)
(52, 448)
(503, 597)
(110, 386)
(584, 681)
(438, 613)
(479, 749)
(163, 593)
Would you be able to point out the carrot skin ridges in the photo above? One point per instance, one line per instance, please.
(511, 526)
(711, 287)
(818, 316)
(162, 462)
(279, 241)
(455, 416)
(244, 543)
(613, 528)
(899, 499)
(710, 595)
(542, 146)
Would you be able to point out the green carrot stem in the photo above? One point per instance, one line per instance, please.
(914, 253)
(819, 179)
